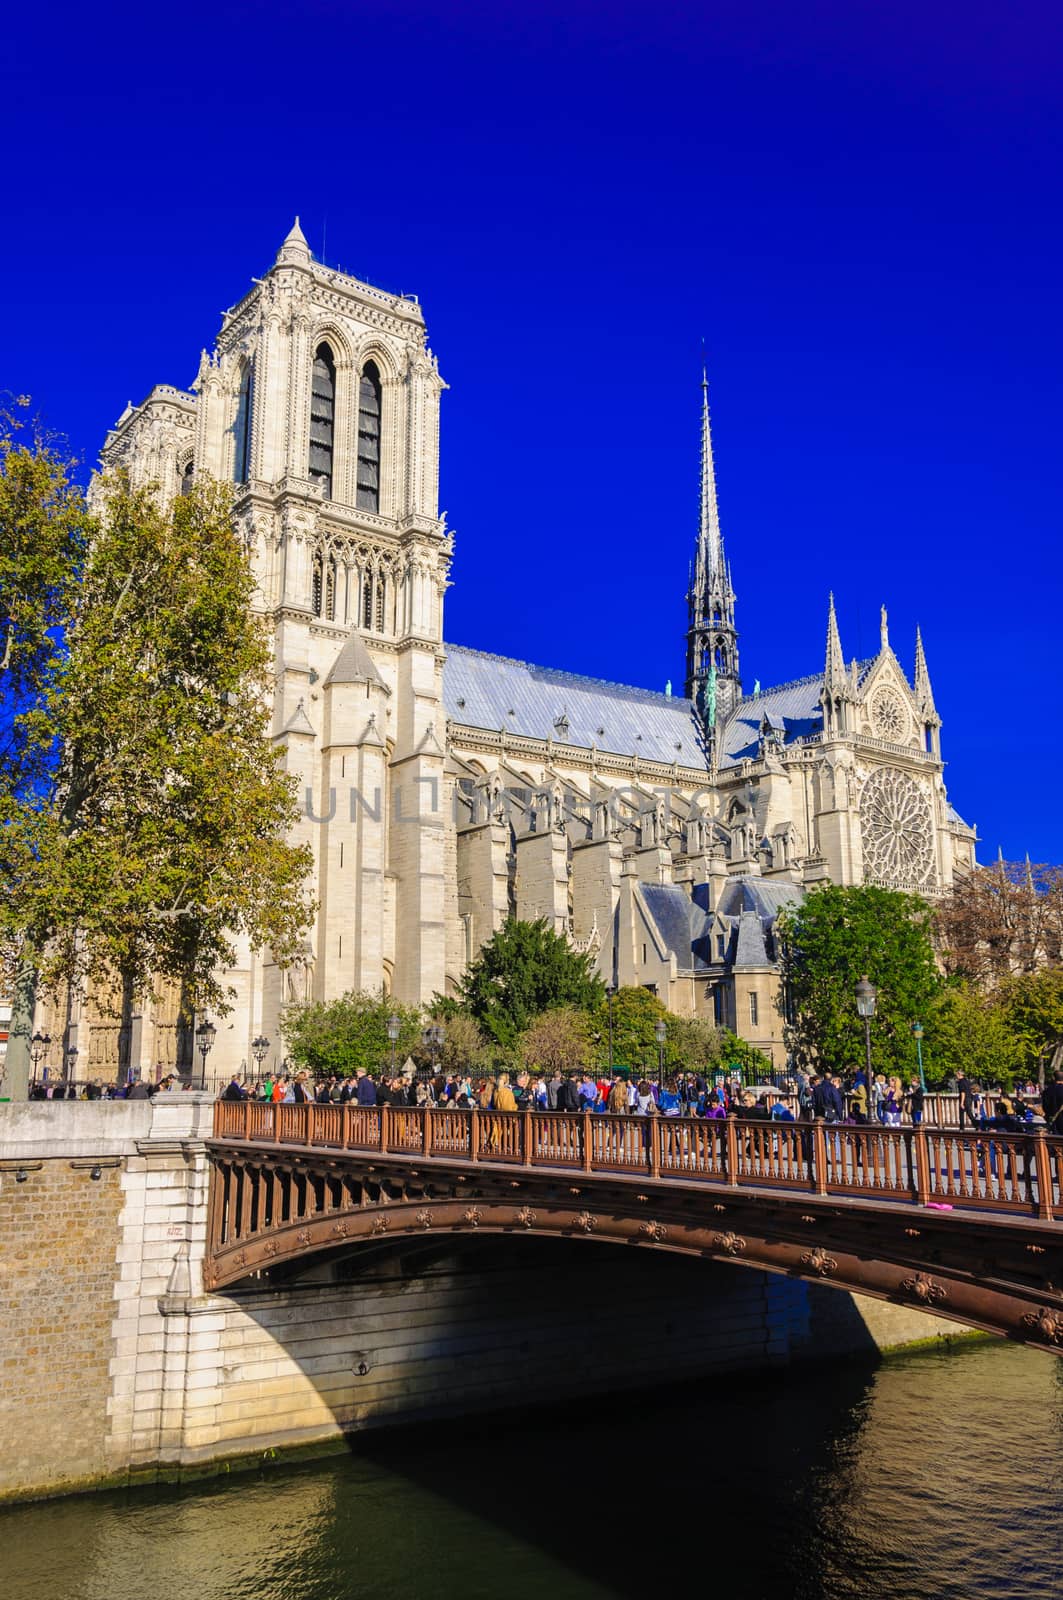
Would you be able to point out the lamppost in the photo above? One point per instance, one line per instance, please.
(394, 1029)
(205, 1035)
(917, 1035)
(433, 1038)
(260, 1050)
(865, 1005)
(71, 1062)
(40, 1045)
(609, 993)
(660, 1033)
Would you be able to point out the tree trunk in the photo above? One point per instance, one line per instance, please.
(23, 1005)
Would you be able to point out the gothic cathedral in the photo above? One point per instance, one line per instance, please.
(444, 789)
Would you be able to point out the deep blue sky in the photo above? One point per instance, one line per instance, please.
(857, 207)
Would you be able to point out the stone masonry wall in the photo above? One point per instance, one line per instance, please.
(58, 1229)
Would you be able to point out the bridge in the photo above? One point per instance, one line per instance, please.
(966, 1225)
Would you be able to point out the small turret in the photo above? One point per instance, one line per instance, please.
(294, 251)
(924, 700)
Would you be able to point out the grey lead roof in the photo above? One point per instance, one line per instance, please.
(487, 691)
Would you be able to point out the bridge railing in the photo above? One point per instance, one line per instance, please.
(1011, 1172)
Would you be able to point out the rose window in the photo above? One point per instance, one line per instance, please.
(889, 717)
(896, 828)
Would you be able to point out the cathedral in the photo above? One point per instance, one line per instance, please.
(444, 789)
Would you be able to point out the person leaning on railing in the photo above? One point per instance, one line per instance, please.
(1052, 1104)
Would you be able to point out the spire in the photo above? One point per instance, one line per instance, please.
(924, 694)
(712, 676)
(295, 249)
(710, 540)
(834, 667)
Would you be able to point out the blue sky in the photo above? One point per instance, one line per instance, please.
(856, 207)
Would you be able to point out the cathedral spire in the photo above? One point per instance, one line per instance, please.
(712, 679)
(834, 666)
(710, 540)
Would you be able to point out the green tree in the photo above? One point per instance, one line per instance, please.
(523, 970)
(558, 1041)
(636, 1013)
(334, 1039)
(1033, 1006)
(836, 937)
(44, 531)
(465, 1050)
(157, 836)
(970, 1030)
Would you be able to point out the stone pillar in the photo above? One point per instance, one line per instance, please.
(542, 878)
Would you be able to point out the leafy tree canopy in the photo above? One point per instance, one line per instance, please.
(969, 1030)
(835, 938)
(334, 1039)
(155, 834)
(559, 1041)
(1033, 1007)
(523, 970)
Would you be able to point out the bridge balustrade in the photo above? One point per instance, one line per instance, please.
(991, 1171)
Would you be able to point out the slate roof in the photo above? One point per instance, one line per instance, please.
(488, 691)
(354, 663)
(682, 924)
(793, 708)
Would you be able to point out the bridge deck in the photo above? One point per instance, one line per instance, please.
(1016, 1174)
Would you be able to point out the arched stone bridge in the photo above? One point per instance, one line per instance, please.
(962, 1225)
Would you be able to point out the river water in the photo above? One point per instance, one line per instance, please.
(934, 1476)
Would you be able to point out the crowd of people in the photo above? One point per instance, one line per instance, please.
(807, 1097)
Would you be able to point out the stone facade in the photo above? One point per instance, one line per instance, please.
(445, 789)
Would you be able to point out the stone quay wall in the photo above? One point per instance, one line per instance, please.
(115, 1367)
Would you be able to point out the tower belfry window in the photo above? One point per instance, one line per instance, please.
(242, 428)
(322, 418)
(368, 492)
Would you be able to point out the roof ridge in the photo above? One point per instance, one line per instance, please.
(582, 677)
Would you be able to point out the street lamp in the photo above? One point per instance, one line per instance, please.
(433, 1038)
(40, 1044)
(394, 1029)
(917, 1035)
(205, 1036)
(865, 1005)
(71, 1062)
(260, 1050)
(660, 1033)
(609, 993)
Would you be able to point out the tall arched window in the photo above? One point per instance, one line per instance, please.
(322, 418)
(368, 495)
(316, 587)
(380, 604)
(187, 475)
(242, 427)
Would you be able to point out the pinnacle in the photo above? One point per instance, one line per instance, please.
(295, 247)
(834, 669)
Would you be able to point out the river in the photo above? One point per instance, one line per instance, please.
(933, 1476)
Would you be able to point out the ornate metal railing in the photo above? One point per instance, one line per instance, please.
(1019, 1173)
